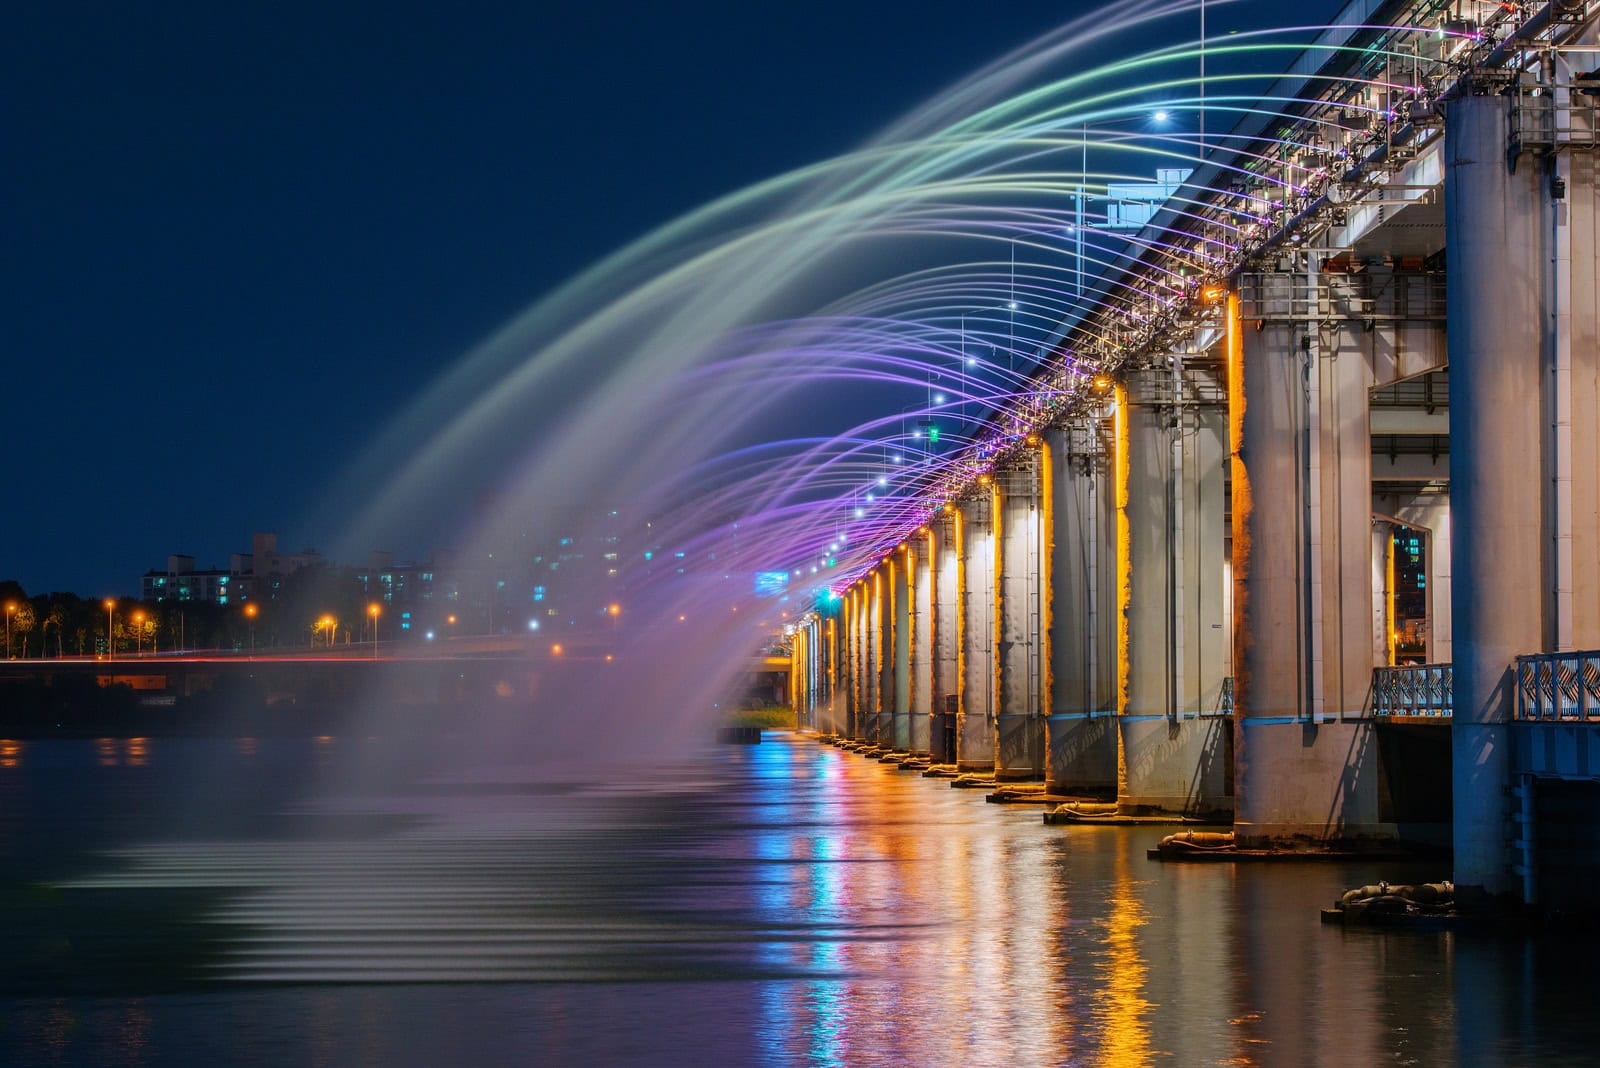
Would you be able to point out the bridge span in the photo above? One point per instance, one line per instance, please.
(1345, 483)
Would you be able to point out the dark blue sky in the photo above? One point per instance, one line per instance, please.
(237, 237)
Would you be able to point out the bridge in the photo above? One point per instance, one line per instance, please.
(1294, 517)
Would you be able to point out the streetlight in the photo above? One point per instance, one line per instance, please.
(138, 633)
(111, 641)
(329, 624)
(374, 610)
(11, 610)
(250, 611)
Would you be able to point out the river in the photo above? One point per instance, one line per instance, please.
(190, 901)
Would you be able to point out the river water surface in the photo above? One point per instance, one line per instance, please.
(179, 901)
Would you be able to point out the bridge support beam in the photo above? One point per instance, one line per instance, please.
(920, 601)
(882, 622)
(1021, 643)
(860, 688)
(1171, 660)
(1305, 760)
(898, 706)
(975, 549)
(831, 714)
(1081, 728)
(1525, 471)
(945, 594)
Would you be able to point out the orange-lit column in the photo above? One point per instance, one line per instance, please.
(1305, 766)
(898, 733)
(919, 637)
(858, 661)
(945, 609)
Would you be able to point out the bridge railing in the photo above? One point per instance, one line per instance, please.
(1559, 686)
(1413, 690)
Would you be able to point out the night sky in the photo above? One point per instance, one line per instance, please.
(238, 238)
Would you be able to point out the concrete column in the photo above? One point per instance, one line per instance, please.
(797, 674)
(1081, 729)
(920, 599)
(1578, 286)
(943, 549)
(815, 668)
(1170, 452)
(877, 672)
(844, 633)
(1305, 765)
(840, 638)
(1022, 644)
(1498, 340)
(899, 732)
(861, 709)
(832, 709)
(975, 550)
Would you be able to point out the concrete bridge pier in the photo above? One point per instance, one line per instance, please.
(1305, 762)
(898, 705)
(1525, 472)
(945, 635)
(975, 554)
(843, 666)
(919, 626)
(1081, 731)
(881, 621)
(831, 718)
(1170, 449)
(860, 687)
(800, 690)
(1021, 640)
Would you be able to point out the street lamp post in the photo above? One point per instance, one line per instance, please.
(11, 610)
(111, 641)
(374, 610)
(138, 634)
(250, 611)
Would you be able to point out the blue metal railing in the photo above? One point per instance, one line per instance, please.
(1413, 690)
(1559, 686)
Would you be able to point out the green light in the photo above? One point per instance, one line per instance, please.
(933, 434)
(832, 561)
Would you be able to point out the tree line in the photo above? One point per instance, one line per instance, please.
(62, 624)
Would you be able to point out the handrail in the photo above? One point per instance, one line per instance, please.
(1413, 690)
(1559, 687)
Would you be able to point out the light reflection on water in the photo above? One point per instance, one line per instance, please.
(776, 904)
